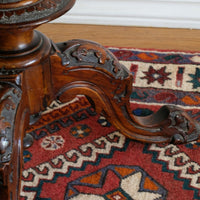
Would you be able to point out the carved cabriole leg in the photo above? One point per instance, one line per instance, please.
(83, 67)
(34, 71)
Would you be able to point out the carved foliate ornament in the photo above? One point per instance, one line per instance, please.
(32, 11)
(9, 103)
(9, 1)
(86, 53)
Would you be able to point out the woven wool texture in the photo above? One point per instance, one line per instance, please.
(78, 155)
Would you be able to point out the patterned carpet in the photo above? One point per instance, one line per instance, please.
(78, 155)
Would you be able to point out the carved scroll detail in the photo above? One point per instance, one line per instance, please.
(84, 67)
(183, 127)
(86, 53)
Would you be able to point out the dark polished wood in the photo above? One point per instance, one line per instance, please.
(34, 71)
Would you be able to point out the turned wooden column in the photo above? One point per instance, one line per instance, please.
(25, 85)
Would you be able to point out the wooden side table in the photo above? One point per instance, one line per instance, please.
(34, 71)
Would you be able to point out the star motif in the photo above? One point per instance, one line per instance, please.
(159, 75)
(195, 78)
(128, 182)
(53, 142)
(80, 131)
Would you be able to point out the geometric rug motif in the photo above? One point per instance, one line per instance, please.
(116, 182)
(78, 154)
(175, 160)
(65, 163)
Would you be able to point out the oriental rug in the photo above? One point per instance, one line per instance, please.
(78, 155)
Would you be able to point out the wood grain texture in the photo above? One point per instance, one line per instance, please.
(122, 36)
